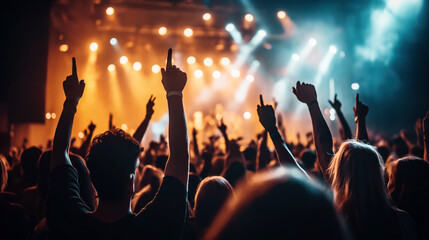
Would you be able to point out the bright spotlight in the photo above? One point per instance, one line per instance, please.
(281, 14)
(332, 111)
(332, 117)
(235, 73)
(48, 115)
(229, 27)
(162, 31)
(80, 135)
(53, 115)
(188, 32)
(247, 115)
(250, 78)
(248, 17)
(110, 11)
(124, 127)
(207, 16)
(123, 60)
(156, 68)
(113, 41)
(137, 66)
(191, 60)
(261, 32)
(111, 67)
(208, 62)
(198, 73)
(64, 47)
(355, 86)
(93, 47)
(216, 74)
(312, 42)
(295, 57)
(225, 61)
(333, 49)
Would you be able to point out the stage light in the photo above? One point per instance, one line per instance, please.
(123, 60)
(93, 47)
(295, 57)
(64, 47)
(235, 73)
(111, 67)
(229, 27)
(250, 78)
(225, 61)
(113, 41)
(208, 62)
(216, 74)
(48, 115)
(355, 86)
(262, 33)
(332, 111)
(53, 115)
(124, 127)
(191, 60)
(207, 16)
(281, 14)
(312, 42)
(80, 135)
(198, 73)
(332, 117)
(248, 17)
(342, 54)
(247, 115)
(333, 49)
(162, 31)
(188, 32)
(110, 11)
(137, 66)
(156, 68)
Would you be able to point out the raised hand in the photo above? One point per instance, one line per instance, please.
(305, 92)
(222, 127)
(336, 104)
(267, 116)
(73, 89)
(173, 79)
(149, 106)
(91, 127)
(360, 110)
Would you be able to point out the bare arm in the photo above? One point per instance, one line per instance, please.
(141, 130)
(174, 81)
(73, 90)
(306, 93)
(222, 127)
(346, 131)
(360, 111)
(84, 148)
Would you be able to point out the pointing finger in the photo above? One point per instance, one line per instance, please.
(261, 100)
(74, 69)
(169, 58)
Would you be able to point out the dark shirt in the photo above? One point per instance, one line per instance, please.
(68, 217)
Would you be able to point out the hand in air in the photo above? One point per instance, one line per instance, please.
(173, 79)
(149, 106)
(266, 114)
(305, 92)
(72, 87)
(336, 104)
(360, 110)
(222, 127)
(91, 127)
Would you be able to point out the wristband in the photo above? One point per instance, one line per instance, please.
(174, 93)
(312, 104)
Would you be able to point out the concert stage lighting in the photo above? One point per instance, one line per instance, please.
(198, 73)
(208, 62)
(110, 11)
(248, 17)
(281, 14)
(191, 60)
(137, 66)
(216, 74)
(355, 86)
(156, 68)
(225, 61)
(247, 115)
(188, 32)
(235, 73)
(93, 47)
(123, 60)
(207, 16)
(113, 41)
(64, 47)
(162, 31)
(111, 67)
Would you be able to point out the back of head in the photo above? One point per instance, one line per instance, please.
(3, 172)
(112, 159)
(308, 158)
(29, 159)
(277, 204)
(43, 173)
(399, 147)
(194, 182)
(234, 172)
(358, 184)
(211, 194)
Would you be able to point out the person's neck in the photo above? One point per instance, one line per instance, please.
(112, 211)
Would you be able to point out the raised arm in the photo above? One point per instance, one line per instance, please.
(222, 127)
(267, 118)
(73, 90)
(346, 131)
(360, 111)
(138, 135)
(174, 81)
(84, 148)
(306, 93)
(425, 124)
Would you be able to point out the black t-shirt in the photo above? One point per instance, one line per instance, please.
(68, 217)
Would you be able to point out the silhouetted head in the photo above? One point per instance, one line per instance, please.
(250, 157)
(3, 172)
(29, 159)
(43, 173)
(308, 158)
(112, 162)
(277, 204)
(399, 147)
(194, 181)
(234, 172)
(209, 199)
(384, 152)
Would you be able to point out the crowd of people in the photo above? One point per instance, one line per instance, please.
(110, 188)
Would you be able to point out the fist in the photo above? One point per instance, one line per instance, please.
(306, 93)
